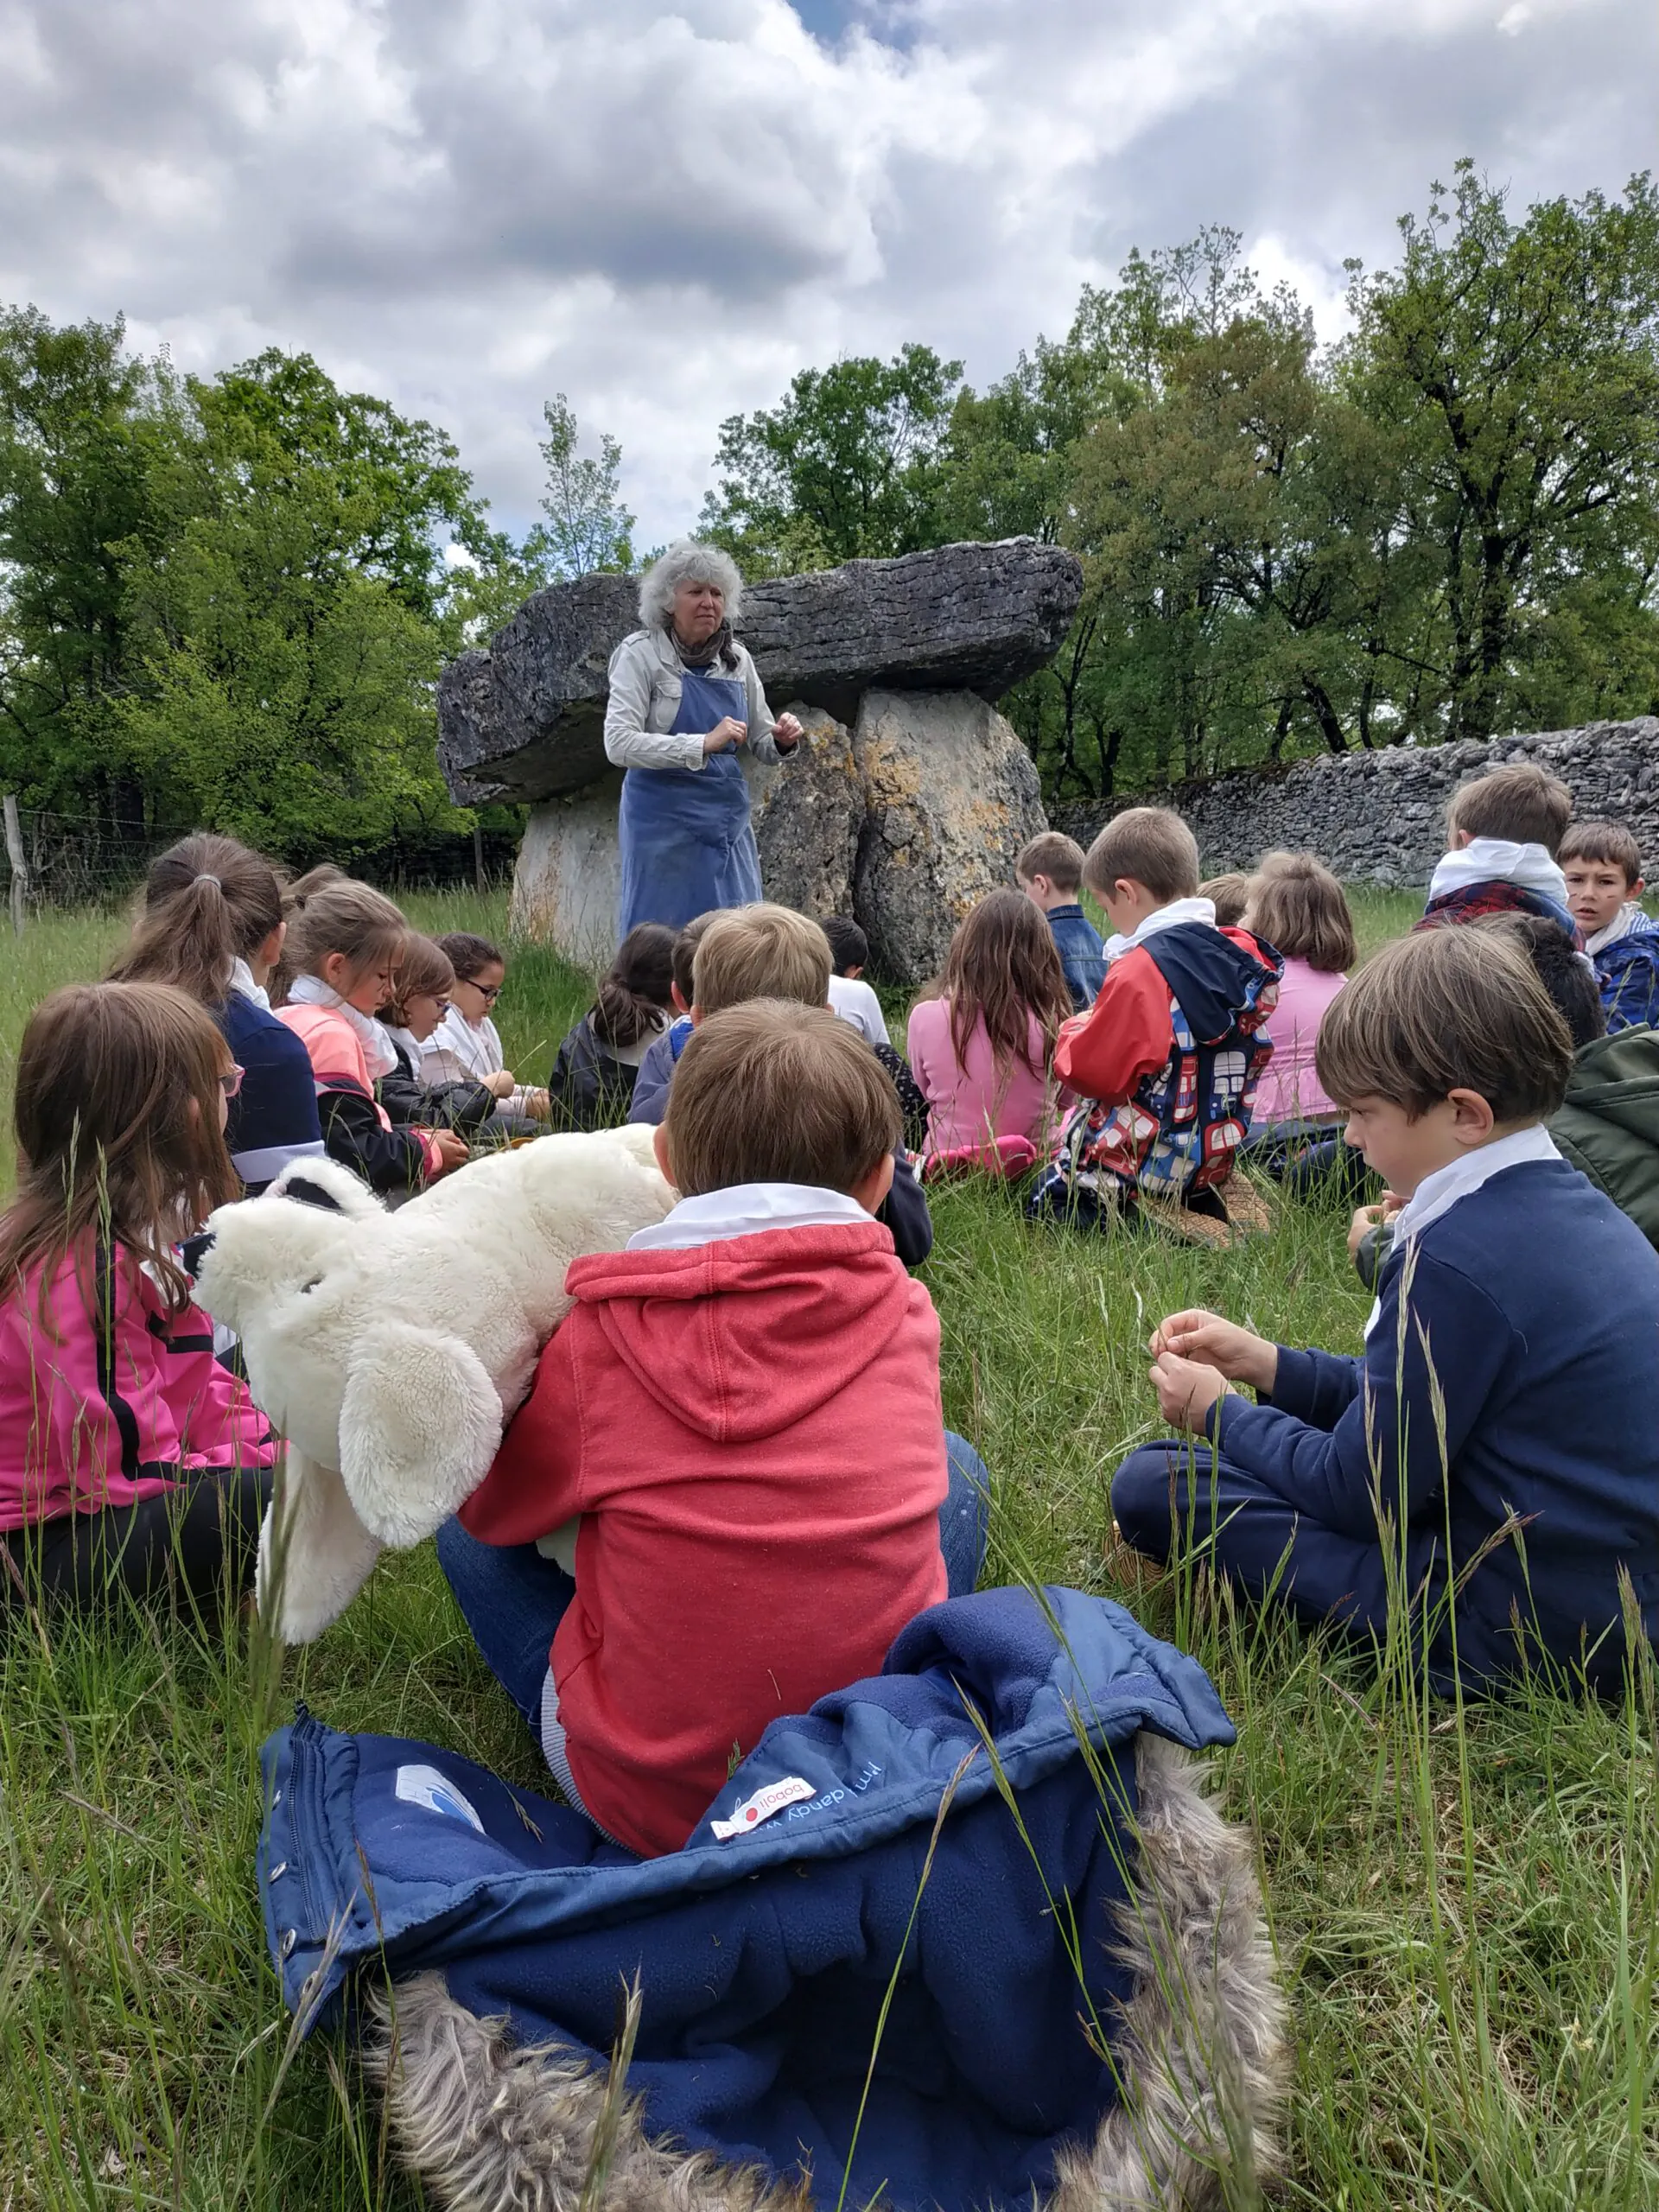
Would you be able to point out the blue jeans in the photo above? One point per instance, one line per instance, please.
(513, 1598)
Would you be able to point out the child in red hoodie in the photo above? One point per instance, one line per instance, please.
(743, 1406)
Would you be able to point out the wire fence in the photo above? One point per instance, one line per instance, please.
(51, 860)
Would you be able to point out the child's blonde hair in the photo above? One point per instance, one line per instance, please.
(1228, 894)
(116, 1112)
(350, 919)
(775, 1092)
(760, 952)
(1148, 845)
(1446, 1010)
(1301, 910)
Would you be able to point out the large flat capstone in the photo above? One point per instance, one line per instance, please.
(525, 719)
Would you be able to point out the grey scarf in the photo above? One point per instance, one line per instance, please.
(717, 648)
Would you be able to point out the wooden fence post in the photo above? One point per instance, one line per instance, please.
(19, 864)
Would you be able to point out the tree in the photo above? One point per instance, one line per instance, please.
(1518, 363)
(82, 424)
(285, 625)
(850, 465)
(587, 528)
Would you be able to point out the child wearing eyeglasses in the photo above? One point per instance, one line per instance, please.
(467, 1045)
(420, 997)
(131, 1460)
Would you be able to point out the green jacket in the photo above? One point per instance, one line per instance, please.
(1608, 1129)
(1608, 1125)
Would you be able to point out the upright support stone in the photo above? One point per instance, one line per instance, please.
(568, 875)
(807, 817)
(950, 794)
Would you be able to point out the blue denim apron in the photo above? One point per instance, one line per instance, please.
(687, 843)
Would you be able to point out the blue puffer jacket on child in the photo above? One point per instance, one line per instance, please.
(997, 1929)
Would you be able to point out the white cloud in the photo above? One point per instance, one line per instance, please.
(664, 210)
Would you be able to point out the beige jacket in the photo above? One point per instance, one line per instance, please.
(645, 680)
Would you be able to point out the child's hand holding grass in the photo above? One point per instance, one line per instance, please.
(1204, 1339)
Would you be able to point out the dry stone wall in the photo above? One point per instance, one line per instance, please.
(1380, 817)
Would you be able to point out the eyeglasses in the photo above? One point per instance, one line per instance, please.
(488, 992)
(232, 1082)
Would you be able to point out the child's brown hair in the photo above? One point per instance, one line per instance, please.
(350, 919)
(1520, 803)
(685, 952)
(208, 902)
(1055, 855)
(1228, 894)
(775, 1091)
(424, 970)
(633, 992)
(469, 954)
(1148, 845)
(1301, 910)
(760, 952)
(1003, 967)
(1446, 1010)
(116, 1112)
(1609, 843)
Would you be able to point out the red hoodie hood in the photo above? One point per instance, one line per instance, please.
(746, 1336)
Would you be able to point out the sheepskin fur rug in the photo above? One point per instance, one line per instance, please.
(1199, 2050)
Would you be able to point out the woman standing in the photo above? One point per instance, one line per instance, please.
(684, 698)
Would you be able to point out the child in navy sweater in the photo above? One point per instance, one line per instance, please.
(1050, 873)
(1500, 1433)
(1602, 864)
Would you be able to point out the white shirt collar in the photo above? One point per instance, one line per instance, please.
(241, 982)
(1496, 860)
(1164, 918)
(1438, 1193)
(744, 1210)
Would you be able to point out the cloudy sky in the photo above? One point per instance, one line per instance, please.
(664, 211)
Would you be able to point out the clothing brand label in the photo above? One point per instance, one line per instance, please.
(425, 1785)
(765, 1801)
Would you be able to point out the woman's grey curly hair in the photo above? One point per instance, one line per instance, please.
(688, 562)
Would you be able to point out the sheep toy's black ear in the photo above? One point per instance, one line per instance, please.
(420, 1423)
(323, 1182)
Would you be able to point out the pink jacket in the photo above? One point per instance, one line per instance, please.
(106, 1407)
(971, 1101)
(1290, 1090)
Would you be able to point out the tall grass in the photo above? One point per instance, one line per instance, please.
(1463, 1901)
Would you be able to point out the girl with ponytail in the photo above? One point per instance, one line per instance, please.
(211, 924)
(591, 1084)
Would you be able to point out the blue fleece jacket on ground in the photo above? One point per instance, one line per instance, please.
(764, 1959)
(273, 1118)
(1532, 1307)
(1082, 954)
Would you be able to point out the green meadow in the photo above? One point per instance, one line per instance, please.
(1463, 1901)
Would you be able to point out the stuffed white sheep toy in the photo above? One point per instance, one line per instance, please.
(390, 1348)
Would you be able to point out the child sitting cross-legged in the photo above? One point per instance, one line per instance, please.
(983, 1049)
(1602, 864)
(1167, 1059)
(1506, 829)
(765, 951)
(467, 1047)
(744, 1409)
(663, 1055)
(598, 1063)
(1489, 1466)
(419, 1001)
(1050, 872)
(855, 1002)
(131, 1460)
